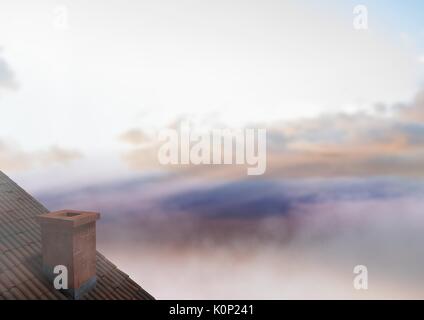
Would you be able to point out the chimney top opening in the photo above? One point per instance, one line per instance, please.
(72, 214)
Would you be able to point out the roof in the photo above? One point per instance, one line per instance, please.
(21, 276)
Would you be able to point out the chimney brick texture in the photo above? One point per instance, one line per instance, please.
(68, 238)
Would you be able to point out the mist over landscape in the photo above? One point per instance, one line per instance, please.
(262, 238)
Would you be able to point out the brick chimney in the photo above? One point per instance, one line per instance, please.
(68, 239)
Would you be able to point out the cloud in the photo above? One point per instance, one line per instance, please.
(387, 141)
(13, 158)
(280, 237)
(414, 111)
(135, 137)
(348, 145)
(7, 77)
(56, 154)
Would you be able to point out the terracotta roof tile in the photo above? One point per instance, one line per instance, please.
(21, 276)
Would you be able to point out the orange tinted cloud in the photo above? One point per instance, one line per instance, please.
(14, 158)
(329, 145)
(134, 137)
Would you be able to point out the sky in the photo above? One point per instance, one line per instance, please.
(85, 86)
(141, 64)
(79, 75)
